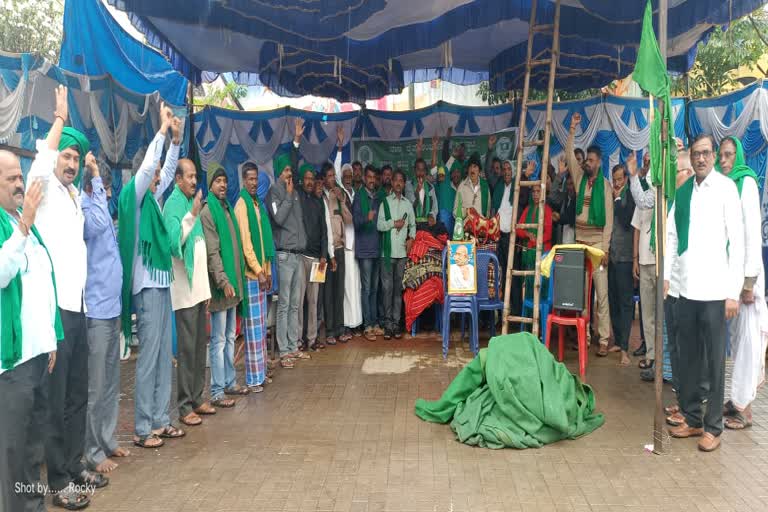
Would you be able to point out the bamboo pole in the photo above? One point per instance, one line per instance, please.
(658, 418)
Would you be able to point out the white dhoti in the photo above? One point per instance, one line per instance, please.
(749, 336)
(353, 307)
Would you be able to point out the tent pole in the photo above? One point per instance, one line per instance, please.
(658, 419)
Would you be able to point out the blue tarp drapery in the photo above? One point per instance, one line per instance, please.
(354, 50)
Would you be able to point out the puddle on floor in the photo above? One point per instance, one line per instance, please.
(401, 362)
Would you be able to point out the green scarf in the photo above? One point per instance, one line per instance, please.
(422, 211)
(446, 195)
(10, 303)
(176, 207)
(386, 239)
(227, 253)
(71, 137)
(740, 168)
(532, 216)
(498, 194)
(261, 231)
(485, 197)
(683, 214)
(596, 216)
(644, 183)
(154, 244)
(365, 208)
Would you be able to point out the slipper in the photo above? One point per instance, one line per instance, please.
(236, 390)
(142, 442)
(287, 363)
(645, 364)
(191, 419)
(737, 421)
(675, 419)
(671, 409)
(206, 410)
(171, 432)
(614, 349)
(624, 364)
(224, 403)
(301, 355)
(70, 499)
(603, 351)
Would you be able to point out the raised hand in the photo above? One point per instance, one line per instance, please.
(298, 130)
(289, 185)
(90, 163)
(166, 115)
(491, 141)
(338, 193)
(575, 121)
(339, 136)
(32, 199)
(562, 165)
(176, 130)
(530, 168)
(435, 141)
(449, 132)
(62, 106)
(419, 145)
(197, 203)
(631, 164)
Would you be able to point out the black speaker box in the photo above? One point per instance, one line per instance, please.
(568, 287)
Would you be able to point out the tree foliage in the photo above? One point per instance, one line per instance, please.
(32, 26)
(714, 72)
(495, 98)
(222, 96)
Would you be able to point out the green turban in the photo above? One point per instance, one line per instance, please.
(71, 137)
(304, 169)
(214, 171)
(281, 162)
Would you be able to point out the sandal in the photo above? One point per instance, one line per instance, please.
(224, 403)
(602, 351)
(171, 432)
(330, 341)
(206, 409)
(286, 362)
(729, 409)
(645, 364)
(256, 389)
(671, 409)
(675, 419)
(191, 419)
(151, 441)
(237, 390)
(70, 499)
(301, 355)
(737, 421)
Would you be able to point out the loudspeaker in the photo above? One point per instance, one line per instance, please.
(568, 288)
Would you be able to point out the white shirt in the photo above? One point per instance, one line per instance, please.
(642, 220)
(505, 210)
(753, 236)
(708, 271)
(644, 199)
(60, 222)
(182, 294)
(141, 276)
(38, 300)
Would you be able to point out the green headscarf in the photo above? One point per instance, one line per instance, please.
(596, 216)
(281, 162)
(10, 303)
(71, 137)
(303, 170)
(176, 207)
(740, 168)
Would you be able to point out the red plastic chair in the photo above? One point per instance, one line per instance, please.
(576, 319)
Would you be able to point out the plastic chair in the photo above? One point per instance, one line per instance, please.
(484, 303)
(458, 304)
(438, 309)
(545, 306)
(575, 318)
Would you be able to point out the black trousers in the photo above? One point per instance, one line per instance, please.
(502, 252)
(333, 297)
(701, 347)
(24, 395)
(670, 323)
(191, 347)
(67, 404)
(621, 287)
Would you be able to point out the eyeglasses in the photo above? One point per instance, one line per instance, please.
(701, 154)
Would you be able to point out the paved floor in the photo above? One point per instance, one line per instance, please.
(338, 433)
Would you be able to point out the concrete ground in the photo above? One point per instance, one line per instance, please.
(338, 433)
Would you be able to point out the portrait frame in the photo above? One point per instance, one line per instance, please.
(461, 284)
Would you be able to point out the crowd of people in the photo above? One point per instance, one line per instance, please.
(334, 242)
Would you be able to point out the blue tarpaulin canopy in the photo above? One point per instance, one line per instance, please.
(354, 50)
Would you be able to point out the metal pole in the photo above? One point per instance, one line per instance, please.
(658, 419)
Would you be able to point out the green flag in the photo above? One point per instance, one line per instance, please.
(651, 74)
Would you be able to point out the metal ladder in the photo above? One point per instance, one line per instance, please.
(532, 62)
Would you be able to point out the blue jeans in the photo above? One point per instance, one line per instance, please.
(154, 365)
(222, 351)
(369, 279)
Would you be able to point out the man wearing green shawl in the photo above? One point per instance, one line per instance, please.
(190, 291)
(421, 194)
(474, 190)
(28, 336)
(258, 254)
(747, 345)
(594, 220)
(227, 278)
(705, 247)
(60, 222)
(145, 250)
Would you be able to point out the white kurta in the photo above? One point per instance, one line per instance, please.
(353, 308)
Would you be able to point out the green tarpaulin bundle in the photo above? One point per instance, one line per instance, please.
(514, 394)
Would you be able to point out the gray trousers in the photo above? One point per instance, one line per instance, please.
(309, 294)
(392, 291)
(648, 300)
(24, 395)
(103, 389)
(153, 365)
(291, 276)
(190, 358)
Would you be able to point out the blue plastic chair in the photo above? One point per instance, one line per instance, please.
(484, 302)
(438, 309)
(545, 306)
(458, 304)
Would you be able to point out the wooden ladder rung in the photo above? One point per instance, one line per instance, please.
(543, 27)
(527, 226)
(540, 62)
(523, 273)
(534, 183)
(521, 319)
(531, 143)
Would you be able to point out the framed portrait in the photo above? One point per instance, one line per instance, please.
(462, 268)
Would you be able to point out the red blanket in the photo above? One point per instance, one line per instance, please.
(416, 301)
(423, 242)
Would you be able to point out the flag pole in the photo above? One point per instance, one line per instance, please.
(659, 419)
